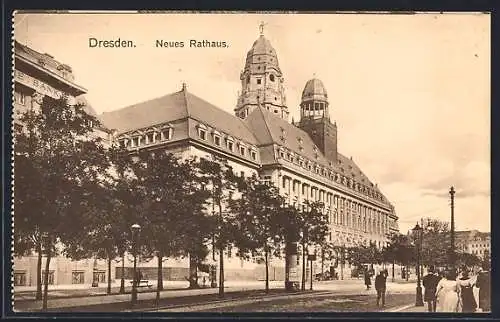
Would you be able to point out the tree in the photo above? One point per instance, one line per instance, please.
(218, 176)
(256, 214)
(55, 155)
(435, 242)
(398, 250)
(313, 225)
(166, 191)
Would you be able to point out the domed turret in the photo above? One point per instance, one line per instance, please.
(262, 81)
(314, 90)
(314, 103)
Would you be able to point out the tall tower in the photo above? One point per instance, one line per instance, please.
(262, 81)
(315, 118)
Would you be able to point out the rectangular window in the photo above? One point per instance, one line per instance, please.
(254, 155)
(165, 134)
(135, 141)
(242, 150)
(78, 277)
(230, 146)
(203, 134)
(99, 277)
(259, 81)
(51, 277)
(21, 98)
(150, 138)
(217, 140)
(19, 278)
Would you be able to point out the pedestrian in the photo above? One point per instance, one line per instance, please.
(368, 280)
(430, 282)
(466, 293)
(484, 283)
(380, 286)
(447, 293)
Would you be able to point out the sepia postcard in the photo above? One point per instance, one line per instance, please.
(217, 162)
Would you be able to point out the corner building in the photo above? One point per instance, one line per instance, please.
(38, 75)
(301, 158)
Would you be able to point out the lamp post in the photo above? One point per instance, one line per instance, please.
(452, 233)
(135, 232)
(418, 230)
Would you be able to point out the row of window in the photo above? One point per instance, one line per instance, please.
(137, 139)
(229, 143)
(329, 174)
(77, 277)
(479, 245)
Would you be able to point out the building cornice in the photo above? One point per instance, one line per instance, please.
(79, 89)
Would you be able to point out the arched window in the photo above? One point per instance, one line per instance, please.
(271, 78)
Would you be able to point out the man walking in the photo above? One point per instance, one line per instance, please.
(430, 282)
(380, 285)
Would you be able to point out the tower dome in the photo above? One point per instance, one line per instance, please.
(314, 90)
(262, 53)
(314, 103)
(262, 81)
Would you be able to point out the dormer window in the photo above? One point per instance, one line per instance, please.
(253, 155)
(202, 131)
(230, 145)
(242, 150)
(166, 134)
(150, 138)
(135, 141)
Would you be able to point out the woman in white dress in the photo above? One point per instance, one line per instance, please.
(448, 292)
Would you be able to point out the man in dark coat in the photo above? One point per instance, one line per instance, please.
(430, 282)
(380, 285)
(484, 284)
(368, 280)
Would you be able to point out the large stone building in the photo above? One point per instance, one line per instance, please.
(38, 75)
(300, 158)
(474, 242)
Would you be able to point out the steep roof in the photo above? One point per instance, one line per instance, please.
(269, 128)
(175, 106)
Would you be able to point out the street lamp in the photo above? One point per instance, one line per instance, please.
(135, 232)
(418, 232)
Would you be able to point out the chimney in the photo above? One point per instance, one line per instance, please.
(184, 86)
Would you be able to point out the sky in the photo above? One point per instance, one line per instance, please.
(410, 93)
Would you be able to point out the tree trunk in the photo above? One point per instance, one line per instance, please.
(322, 262)
(303, 284)
(266, 259)
(159, 286)
(122, 280)
(109, 275)
(39, 271)
(193, 272)
(407, 269)
(46, 278)
(221, 272)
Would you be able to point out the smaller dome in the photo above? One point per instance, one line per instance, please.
(314, 90)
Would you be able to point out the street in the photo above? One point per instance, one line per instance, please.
(346, 295)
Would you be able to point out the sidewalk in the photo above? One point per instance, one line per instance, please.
(150, 295)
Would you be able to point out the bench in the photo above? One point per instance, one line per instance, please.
(143, 283)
